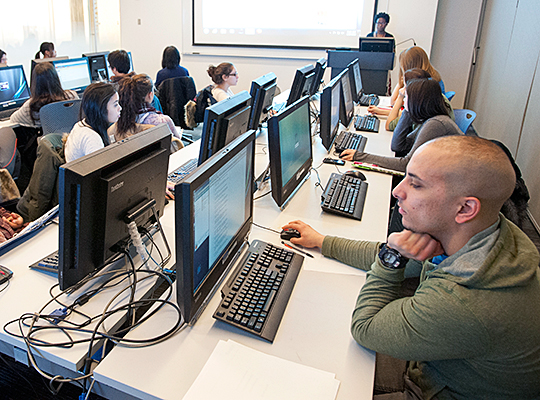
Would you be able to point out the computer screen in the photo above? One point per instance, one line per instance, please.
(14, 90)
(302, 83)
(291, 156)
(213, 214)
(74, 73)
(320, 69)
(330, 111)
(98, 191)
(34, 62)
(375, 44)
(347, 110)
(98, 66)
(356, 80)
(224, 122)
(262, 93)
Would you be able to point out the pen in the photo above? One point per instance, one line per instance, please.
(294, 248)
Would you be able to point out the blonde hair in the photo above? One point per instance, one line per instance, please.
(416, 57)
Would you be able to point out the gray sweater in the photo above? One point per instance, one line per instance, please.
(440, 125)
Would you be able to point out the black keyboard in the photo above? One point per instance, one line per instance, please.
(182, 171)
(344, 195)
(49, 263)
(349, 140)
(368, 123)
(255, 297)
(368, 100)
(6, 114)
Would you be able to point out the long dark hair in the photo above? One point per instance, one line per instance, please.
(94, 108)
(132, 91)
(45, 88)
(45, 46)
(424, 99)
(216, 73)
(171, 57)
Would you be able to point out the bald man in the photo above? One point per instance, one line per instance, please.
(472, 328)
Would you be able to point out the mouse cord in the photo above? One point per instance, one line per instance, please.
(264, 227)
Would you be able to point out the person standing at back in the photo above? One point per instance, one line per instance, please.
(381, 22)
(47, 50)
(170, 64)
(224, 76)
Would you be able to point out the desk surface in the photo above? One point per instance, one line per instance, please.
(315, 330)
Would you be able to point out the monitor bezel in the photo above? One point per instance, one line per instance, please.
(262, 91)
(376, 44)
(18, 102)
(100, 54)
(320, 69)
(357, 92)
(345, 115)
(301, 77)
(283, 192)
(325, 132)
(191, 302)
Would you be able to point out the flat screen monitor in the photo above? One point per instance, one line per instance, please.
(320, 68)
(262, 93)
(74, 73)
(34, 62)
(372, 44)
(98, 191)
(291, 155)
(224, 122)
(14, 90)
(347, 109)
(330, 112)
(213, 214)
(98, 66)
(356, 80)
(302, 83)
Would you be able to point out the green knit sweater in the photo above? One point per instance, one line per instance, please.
(472, 338)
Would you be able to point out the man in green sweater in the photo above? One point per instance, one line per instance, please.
(472, 328)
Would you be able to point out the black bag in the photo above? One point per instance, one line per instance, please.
(203, 100)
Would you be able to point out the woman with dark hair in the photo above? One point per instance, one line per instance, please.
(44, 89)
(3, 57)
(424, 102)
(170, 64)
(224, 76)
(136, 94)
(100, 109)
(47, 49)
(381, 20)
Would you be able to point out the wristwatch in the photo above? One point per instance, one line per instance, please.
(391, 258)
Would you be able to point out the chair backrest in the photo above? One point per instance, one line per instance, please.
(60, 116)
(464, 118)
(173, 94)
(8, 149)
(450, 95)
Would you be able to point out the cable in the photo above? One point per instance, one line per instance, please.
(262, 195)
(268, 229)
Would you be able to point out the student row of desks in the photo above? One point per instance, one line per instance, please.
(315, 330)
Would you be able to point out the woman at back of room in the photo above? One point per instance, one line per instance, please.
(47, 50)
(100, 109)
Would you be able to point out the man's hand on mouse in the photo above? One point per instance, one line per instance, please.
(309, 236)
(347, 154)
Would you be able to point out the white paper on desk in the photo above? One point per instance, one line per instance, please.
(236, 372)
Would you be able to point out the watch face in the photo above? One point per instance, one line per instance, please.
(390, 258)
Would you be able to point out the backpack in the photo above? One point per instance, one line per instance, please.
(194, 109)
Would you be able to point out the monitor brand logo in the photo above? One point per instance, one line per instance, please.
(117, 186)
(4, 86)
(299, 174)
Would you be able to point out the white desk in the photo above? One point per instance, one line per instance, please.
(316, 325)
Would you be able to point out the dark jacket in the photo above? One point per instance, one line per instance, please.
(173, 94)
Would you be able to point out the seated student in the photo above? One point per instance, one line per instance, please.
(136, 93)
(224, 76)
(47, 50)
(10, 224)
(424, 102)
(120, 65)
(170, 64)
(45, 88)
(406, 130)
(3, 58)
(100, 107)
(470, 331)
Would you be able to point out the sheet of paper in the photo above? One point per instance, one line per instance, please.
(236, 372)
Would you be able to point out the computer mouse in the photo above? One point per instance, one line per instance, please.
(288, 234)
(356, 174)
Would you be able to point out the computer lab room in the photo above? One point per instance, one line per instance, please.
(294, 200)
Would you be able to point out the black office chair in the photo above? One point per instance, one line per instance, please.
(60, 116)
(173, 94)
